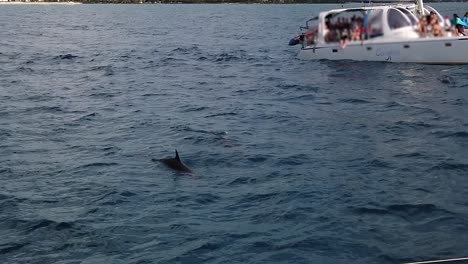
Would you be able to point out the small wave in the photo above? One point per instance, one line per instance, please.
(33, 225)
(12, 56)
(413, 211)
(87, 117)
(379, 163)
(254, 198)
(442, 223)
(459, 101)
(423, 190)
(203, 139)
(92, 211)
(450, 166)
(25, 70)
(107, 69)
(222, 114)
(304, 97)
(241, 180)
(458, 134)
(4, 171)
(308, 244)
(169, 60)
(113, 202)
(103, 95)
(63, 225)
(195, 109)
(206, 198)
(65, 57)
(226, 57)
(10, 247)
(186, 51)
(110, 150)
(354, 101)
(127, 194)
(198, 254)
(367, 210)
(232, 57)
(112, 198)
(385, 258)
(258, 158)
(11, 204)
(261, 246)
(47, 109)
(40, 224)
(227, 76)
(189, 129)
(99, 164)
(414, 124)
(446, 79)
(392, 104)
(294, 160)
(38, 98)
(4, 197)
(179, 227)
(409, 155)
(154, 94)
(296, 87)
(79, 27)
(244, 235)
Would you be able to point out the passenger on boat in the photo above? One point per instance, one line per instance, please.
(465, 19)
(353, 23)
(358, 30)
(343, 30)
(459, 25)
(436, 28)
(422, 28)
(344, 40)
(465, 26)
(310, 36)
(296, 40)
(453, 21)
(330, 32)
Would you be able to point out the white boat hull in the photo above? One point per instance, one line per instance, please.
(445, 50)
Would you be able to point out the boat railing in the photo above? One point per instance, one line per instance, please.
(307, 26)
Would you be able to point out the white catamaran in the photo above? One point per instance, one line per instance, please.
(394, 33)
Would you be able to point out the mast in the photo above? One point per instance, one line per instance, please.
(419, 7)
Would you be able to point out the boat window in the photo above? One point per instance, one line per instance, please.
(396, 19)
(375, 23)
(409, 15)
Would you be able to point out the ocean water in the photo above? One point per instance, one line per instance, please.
(294, 161)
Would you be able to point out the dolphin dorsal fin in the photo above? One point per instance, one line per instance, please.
(177, 155)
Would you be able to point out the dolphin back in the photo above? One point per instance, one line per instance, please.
(175, 163)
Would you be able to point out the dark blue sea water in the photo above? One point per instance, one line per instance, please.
(294, 161)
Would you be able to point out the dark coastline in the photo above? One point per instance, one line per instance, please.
(220, 1)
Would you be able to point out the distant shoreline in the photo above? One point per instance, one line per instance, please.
(191, 2)
(40, 3)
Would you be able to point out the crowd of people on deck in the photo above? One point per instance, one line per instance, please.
(430, 26)
(355, 28)
(343, 30)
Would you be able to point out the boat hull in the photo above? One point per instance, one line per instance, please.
(446, 50)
